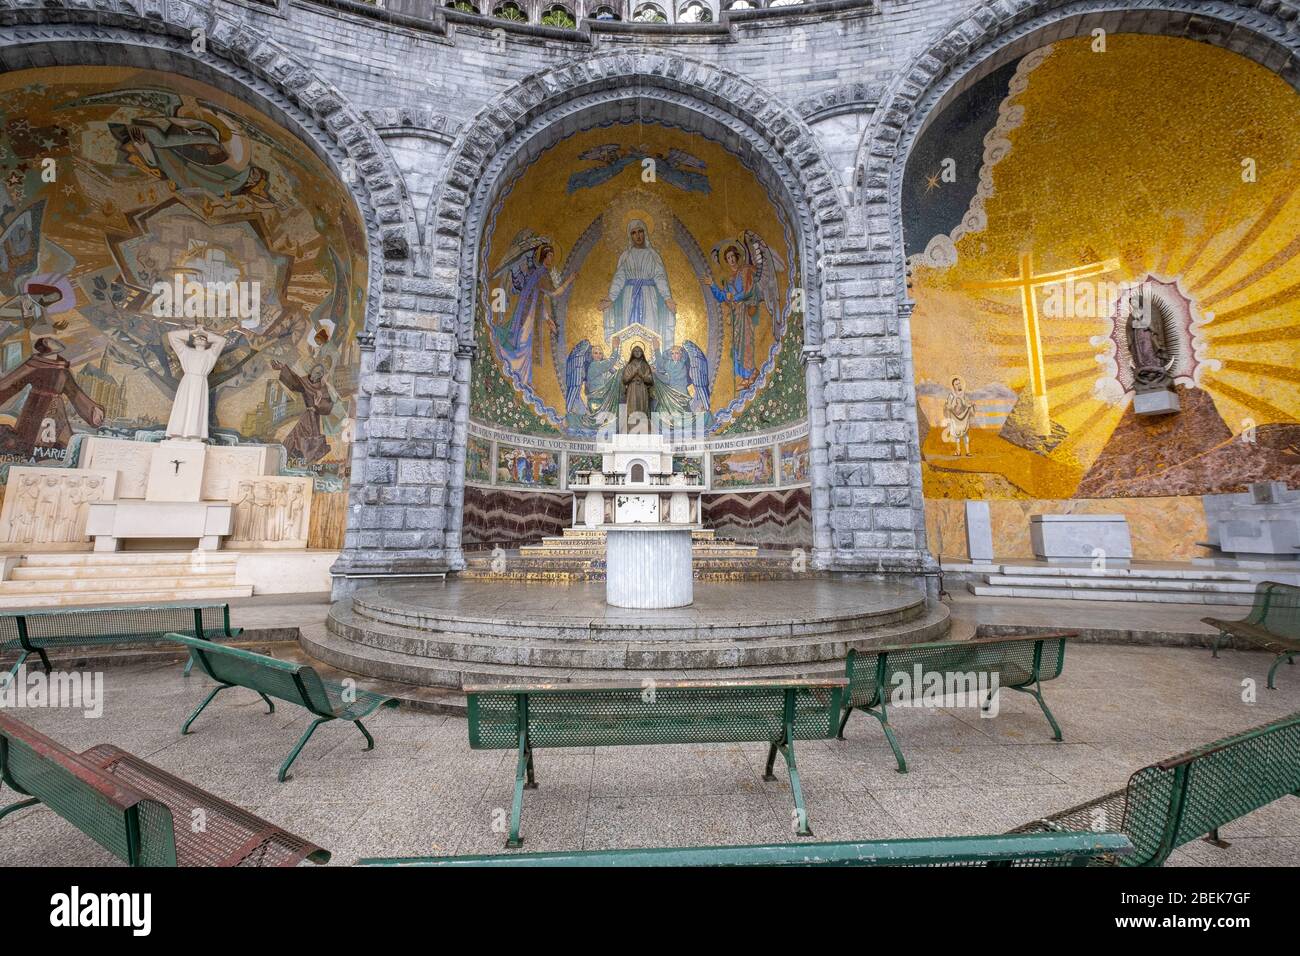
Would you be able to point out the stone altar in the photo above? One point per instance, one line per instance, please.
(648, 566)
(1081, 538)
(1263, 524)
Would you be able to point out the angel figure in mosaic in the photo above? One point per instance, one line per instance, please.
(751, 268)
(535, 280)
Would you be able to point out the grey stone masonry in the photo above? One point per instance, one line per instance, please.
(427, 113)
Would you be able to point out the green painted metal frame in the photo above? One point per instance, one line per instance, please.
(28, 648)
(884, 656)
(1256, 618)
(199, 649)
(525, 778)
(1156, 800)
(122, 799)
(1051, 849)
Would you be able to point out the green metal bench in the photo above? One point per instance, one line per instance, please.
(32, 631)
(1180, 799)
(1052, 849)
(142, 815)
(775, 712)
(294, 683)
(1272, 624)
(1021, 662)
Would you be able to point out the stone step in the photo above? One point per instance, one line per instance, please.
(1124, 573)
(469, 649)
(372, 606)
(129, 586)
(1122, 584)
(83, 559)
(104, 598)
(1098, 594)
(387, 665)
(129, 571)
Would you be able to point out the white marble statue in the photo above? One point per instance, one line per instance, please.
(198, 350)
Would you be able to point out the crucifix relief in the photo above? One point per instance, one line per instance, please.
(1027, 282)
(176, 464)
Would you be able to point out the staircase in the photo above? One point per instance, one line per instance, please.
(122, 577)
(579, 555)
(1157, 585)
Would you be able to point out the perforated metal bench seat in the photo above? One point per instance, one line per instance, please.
(33, 631)
(1191, 795)
(883, 675)
(293, 683)
(1051, 849)
(142, 815)
(531, 716)
(1273, 624)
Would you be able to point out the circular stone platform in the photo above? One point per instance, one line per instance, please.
(474, 632)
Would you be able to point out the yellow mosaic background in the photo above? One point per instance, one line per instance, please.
(1134, 154)
(539, 201)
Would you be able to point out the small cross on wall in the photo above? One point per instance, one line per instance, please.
(176, 464)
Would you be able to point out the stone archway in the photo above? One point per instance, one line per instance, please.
(516, 127)
(243, 61)
(979, 42)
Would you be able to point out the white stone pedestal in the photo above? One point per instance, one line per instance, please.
(111, 522)
(1079, 539)
(648, 566)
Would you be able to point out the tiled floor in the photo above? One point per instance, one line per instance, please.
(423, 791)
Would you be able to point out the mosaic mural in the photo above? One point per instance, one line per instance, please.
(1083, 226)
(794, 462)
(527, 466)
(137, 203)
(638, 235)
(478, 459)
(739, 468)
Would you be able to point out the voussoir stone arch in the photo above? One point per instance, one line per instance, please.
(980, 41)
(972, 45)
(238, 58)
(512, 130)
(242, 60)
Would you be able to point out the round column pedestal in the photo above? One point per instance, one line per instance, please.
(648, 566)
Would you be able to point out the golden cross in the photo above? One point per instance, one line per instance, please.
(1027, 282)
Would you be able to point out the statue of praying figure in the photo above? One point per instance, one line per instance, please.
(197, 349)
(638, 384)
(1146, 344)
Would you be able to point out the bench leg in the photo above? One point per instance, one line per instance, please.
(1036, 692)
(185, 727)
(15, 807)
(1272, 671)
(370, 741)
(189, 666)
(1218, 639)
(45, 660)
(523, 772)
(302, 742)
(1214, 839)
(883, 717)
(800, 812)
(13, 671)
(270, 706)
(843, 723)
